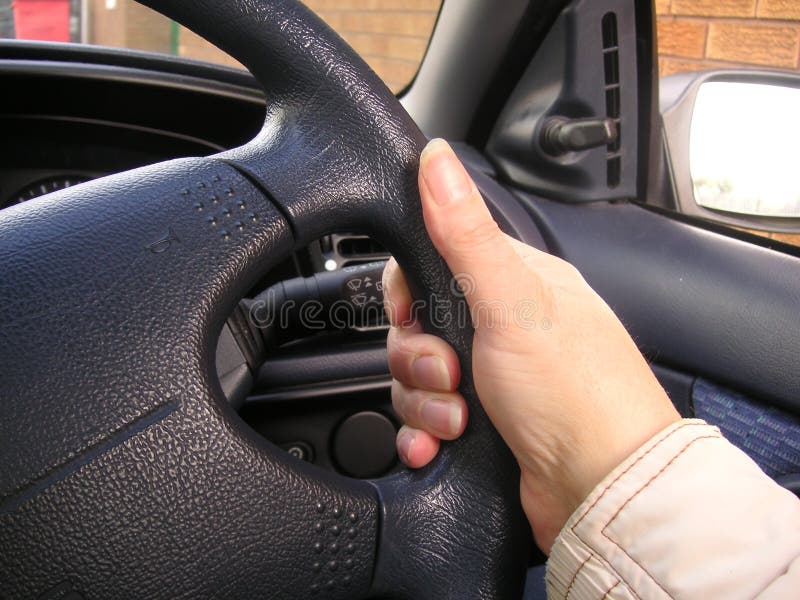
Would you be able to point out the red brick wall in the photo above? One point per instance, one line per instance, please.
(127, 24)
(191, 45)
(696, 35)
(391, 35)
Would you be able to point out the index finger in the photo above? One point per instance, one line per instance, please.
(397, 299)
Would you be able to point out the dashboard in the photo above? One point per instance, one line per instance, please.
(65, 123)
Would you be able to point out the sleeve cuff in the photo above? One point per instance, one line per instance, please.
(585, 562)
(688, 515)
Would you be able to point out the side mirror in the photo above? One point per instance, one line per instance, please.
(732, 140)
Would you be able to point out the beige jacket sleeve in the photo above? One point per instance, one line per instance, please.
(687, 516)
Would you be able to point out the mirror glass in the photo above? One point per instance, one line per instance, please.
(744, 148)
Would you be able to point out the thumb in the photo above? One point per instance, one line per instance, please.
(480, 256)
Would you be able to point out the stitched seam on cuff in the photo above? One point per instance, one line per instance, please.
(659, 442)
(605, 564)
(665, 437)
(640, 490)
(609, 590)
(602, 492)
(575, 575)
(658, 474)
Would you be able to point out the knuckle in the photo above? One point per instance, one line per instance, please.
(398, 399)
(474, 235)
(572, 271)
(402, 348)
(396, 366)
(392, 342)
(406, 402)
(388, 275)
(567, 269)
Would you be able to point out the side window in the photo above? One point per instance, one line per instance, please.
(705, 35)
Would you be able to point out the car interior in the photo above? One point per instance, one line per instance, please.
(159, 440)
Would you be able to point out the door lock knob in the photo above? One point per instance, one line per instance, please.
(560, 135)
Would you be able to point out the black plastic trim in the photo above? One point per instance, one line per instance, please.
(130, 75)
(81, 54)
(570, 78)
(649, 159)
(326, 390)
(210, 146)
(288, 370)
(678, 386)
(526, 41)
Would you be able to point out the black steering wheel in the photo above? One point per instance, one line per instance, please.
(124, 472)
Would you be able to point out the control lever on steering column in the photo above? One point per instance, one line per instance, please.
(348, 298)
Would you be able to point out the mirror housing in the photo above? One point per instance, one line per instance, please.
(679, 101)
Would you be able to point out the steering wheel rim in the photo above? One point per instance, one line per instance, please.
(121, 457)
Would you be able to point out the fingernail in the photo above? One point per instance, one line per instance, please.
(431, 373)
(404, 442)
(443, 173)
(442, 416)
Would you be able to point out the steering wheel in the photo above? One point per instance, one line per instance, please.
(124, 472)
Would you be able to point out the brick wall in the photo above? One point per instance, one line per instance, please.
(696, 35)
(191, 45)
(391, 35)
(128, 25)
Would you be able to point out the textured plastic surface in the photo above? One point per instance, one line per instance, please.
(363, 444)
(565, 79)
(343, 299)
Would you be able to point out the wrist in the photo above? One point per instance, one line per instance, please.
(551, 495)
(620, 442)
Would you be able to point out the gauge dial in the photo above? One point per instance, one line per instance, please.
(47, 185)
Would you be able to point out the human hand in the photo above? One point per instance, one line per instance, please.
(561, 379)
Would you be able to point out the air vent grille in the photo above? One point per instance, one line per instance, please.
(342, 250)
(359, 246)
(612, 93)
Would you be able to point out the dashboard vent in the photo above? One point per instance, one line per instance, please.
(342, 250)
(612, 92)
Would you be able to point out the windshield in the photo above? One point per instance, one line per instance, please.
(391, 35)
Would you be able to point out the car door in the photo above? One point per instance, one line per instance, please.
(714, 308)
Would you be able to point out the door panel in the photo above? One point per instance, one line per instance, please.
(692, 299)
